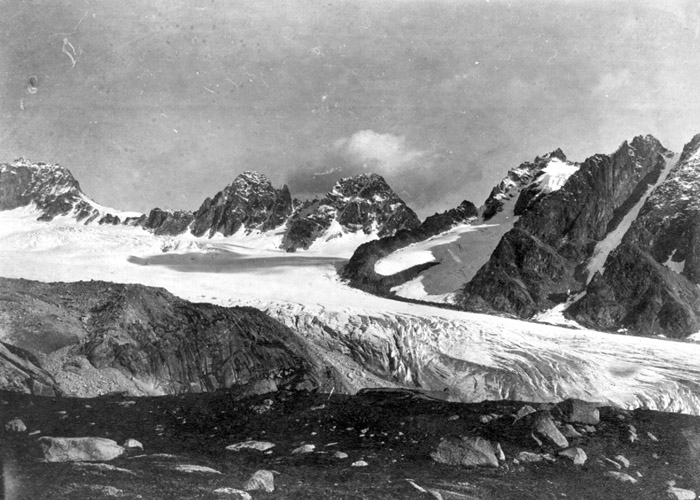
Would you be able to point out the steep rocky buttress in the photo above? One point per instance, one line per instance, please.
(544, 256)
(650, 283)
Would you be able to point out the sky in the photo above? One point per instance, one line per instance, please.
(163, 103)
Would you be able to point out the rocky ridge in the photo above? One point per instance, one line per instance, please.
(360, 272)
(364, 203)
(543, 257)
(90, 338)
(649, 284)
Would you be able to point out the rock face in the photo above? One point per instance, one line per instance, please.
(79, 449)
(21, 371)
(52, 189)
(363, 203)
(249, 202)
(650, 282)
(146, 341)
(167, 222)
(545, 254)
(360, 269)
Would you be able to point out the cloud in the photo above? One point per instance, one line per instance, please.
(382, 152)
(417, 175)
(610, 83)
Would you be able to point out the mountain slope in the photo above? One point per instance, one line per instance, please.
(94, 337)
(649, 284)
(543, 257)
(54, 191)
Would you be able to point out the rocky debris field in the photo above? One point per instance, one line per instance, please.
(379, 444)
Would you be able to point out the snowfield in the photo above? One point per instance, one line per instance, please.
(373, 341)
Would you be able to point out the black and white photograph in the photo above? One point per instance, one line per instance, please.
(350, 249)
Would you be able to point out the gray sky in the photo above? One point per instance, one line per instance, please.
(163, 103)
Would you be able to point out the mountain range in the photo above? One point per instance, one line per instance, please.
(607, 244)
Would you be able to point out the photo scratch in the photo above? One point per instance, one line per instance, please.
(66, 43)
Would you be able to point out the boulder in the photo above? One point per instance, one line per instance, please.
(360, 463)
(261, 480)
(306, 448)
(15, 425)
(78, 449)
(577, 455)
(569, 432)
(251, 445)
(577, 411)
(680, 494)
(544, 428)
(621, 476)
(195, 468)
(467, 452)
(132, 444)
(340, 455)
(233, 493)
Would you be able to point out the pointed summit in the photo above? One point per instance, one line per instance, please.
(53, 190)
(362, 204)
(250, 202)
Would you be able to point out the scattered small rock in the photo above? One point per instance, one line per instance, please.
(195, 468)
(467, 452)
(528, 457)
(621, 476)
(652, 437)
(306, 448)
(251, 445)
(80, 449)
(261, 480)
(577, 455)
(568, 431)
(96, 490)
(632, 433)
(544, 428)
(525, 410)
(615, 464)
(623, 460)
(126, 404)
(15, 425)
(319, 407)
(453, 418)
(360, 463)
(264, 407)
(132, 444)
(340, 455)
(234, 493)
(680, 493)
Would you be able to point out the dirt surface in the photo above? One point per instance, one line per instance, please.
(393, 432)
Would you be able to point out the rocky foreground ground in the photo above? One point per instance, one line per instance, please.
(395, 444)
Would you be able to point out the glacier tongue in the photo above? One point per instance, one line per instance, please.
(488, 358)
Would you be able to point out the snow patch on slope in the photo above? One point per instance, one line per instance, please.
(555, 175)
(421, 252)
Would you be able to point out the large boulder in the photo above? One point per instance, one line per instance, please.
(467, 452)
(78, 449)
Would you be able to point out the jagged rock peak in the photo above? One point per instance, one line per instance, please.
(536, 176)
(250, 177)
(368, 186)
(249, 202)
(690, 149)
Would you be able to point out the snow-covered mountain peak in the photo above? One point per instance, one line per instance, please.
(53, 190)
(545, 174)
(252, 179)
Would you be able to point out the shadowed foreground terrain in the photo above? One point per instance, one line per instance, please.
(388, 438)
